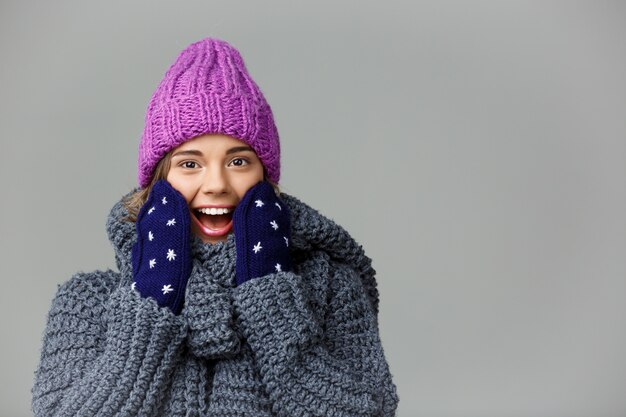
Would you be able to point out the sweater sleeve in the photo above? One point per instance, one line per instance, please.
(311, 364)
(106, 351)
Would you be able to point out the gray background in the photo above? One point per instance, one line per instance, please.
(476, 149)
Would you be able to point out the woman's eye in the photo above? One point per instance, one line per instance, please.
(239, 162)
(189, 164)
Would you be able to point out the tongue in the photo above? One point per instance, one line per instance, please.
(217, 221)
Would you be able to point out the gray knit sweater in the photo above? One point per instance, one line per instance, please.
(300, 343)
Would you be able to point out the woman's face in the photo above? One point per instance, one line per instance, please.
(213, 172)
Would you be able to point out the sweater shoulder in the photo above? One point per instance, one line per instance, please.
(85, 293)
(95, 283)
(321, 269)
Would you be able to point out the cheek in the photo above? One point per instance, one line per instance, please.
(181, 186)
(244, 183)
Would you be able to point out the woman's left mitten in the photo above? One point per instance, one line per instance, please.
(262, 230)
(161, 255)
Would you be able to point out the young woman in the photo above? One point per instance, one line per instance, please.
(232, 298)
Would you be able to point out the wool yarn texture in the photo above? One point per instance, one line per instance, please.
(161, 254)
(262, 233)
(299, 343)
(208, 90)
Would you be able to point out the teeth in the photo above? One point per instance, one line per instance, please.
(213, 211)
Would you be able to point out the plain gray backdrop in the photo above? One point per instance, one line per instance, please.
(476, 149)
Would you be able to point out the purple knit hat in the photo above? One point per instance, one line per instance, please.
(208, 90)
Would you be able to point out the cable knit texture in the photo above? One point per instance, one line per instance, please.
(297, 343)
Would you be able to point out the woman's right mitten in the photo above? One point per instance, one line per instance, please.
(161, 255)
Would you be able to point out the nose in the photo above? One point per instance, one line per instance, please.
(214, 182)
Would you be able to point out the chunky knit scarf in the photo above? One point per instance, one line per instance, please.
(212, 335)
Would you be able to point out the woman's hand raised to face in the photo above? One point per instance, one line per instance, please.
(161, 255)
(262, 230)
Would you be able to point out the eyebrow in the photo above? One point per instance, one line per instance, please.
(228, 152)
(239, 149)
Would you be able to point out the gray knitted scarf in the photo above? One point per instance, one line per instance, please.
(311, 231)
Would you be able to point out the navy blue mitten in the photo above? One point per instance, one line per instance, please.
(262, 230)
(162, 253)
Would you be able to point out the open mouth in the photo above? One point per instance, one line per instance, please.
(214, 221)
